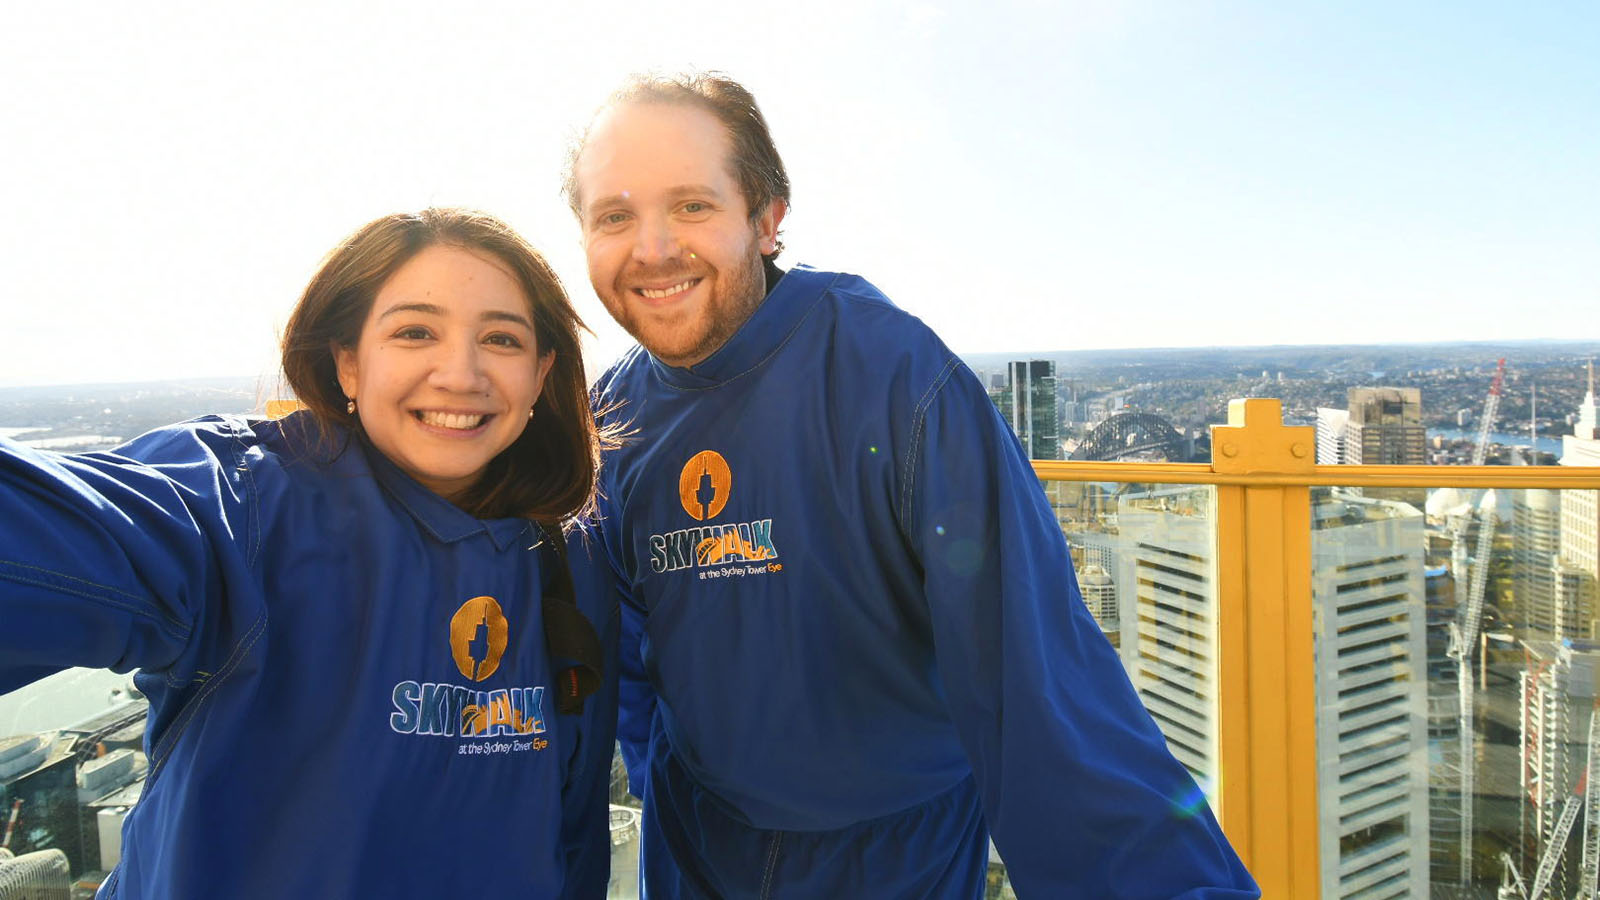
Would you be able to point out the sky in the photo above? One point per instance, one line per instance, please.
(1022, 175)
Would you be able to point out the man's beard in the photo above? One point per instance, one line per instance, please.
(735, 297)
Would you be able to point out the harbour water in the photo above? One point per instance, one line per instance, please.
(1546, 444)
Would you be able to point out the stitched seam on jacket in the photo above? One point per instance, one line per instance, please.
(136, 608)
(919, 421)
(181, 723)
(772, 864)
(252, 499)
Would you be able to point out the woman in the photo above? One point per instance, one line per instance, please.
(341, 618)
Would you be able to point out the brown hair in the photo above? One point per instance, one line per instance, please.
(548, 472)
(754, 160)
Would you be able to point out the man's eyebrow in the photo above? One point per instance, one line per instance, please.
(693, 190)
(673, 193)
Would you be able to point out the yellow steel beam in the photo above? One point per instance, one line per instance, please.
(1545, 477)
(1267, 710)
(1266, 726)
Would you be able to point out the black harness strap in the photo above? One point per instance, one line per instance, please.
(575, 652)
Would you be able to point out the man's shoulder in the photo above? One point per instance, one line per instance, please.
(864, 313)
(628, 367)
(870, 323)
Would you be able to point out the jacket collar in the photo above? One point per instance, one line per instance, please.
(445, 521)
(774, 321)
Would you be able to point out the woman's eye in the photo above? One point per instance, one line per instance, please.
(503, 340)
(412, 333)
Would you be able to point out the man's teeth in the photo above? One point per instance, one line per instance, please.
(666, 292)
(449, 420)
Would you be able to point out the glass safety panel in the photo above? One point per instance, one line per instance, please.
(1145, 560)
(1456, 671)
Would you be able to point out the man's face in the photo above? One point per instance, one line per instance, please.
(673, 253)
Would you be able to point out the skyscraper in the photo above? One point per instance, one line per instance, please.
(1369, 592)
(1385, 427)
(1558, 697)
(1535, 541)
(1100, 595)
(1033, 407)
(1578, 567)
(1167, 594)
(1444, 794)
(1331, 425)
(1367, 583)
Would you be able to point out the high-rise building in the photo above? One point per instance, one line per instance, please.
(1372, 729)
(1167, 593)
(1100, 595)
(1372, 742)
(1558, 697)
(1444, 793)
(1385, 427)
(1033, 407)
(1331, 425)
(1535, 541)
(1578, 569)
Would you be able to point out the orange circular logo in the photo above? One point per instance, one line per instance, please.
(704, 484)
(478, 633)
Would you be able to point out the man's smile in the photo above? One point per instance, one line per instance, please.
(668, 292)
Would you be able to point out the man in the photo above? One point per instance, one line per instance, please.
(858, 649)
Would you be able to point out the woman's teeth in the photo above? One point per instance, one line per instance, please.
(449, 420)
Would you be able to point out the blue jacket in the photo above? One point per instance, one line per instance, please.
(347, 674)
(854, 645)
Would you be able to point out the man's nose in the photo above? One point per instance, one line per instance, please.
(655, 241)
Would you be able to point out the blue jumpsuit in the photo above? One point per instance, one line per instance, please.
(853, 644)
(348, 680)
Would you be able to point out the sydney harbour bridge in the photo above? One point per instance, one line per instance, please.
(1133, 435)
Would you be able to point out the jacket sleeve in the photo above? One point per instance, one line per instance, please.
(1080, 793)
(585, 800)
(106, 561)
(636, 704)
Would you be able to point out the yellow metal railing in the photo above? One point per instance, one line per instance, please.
(1263, 472)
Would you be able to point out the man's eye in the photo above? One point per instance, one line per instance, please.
(695, 206)
(613, 218)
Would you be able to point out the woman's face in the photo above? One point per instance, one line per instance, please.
(446, 369)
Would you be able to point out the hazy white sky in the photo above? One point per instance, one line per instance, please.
(1028, 176)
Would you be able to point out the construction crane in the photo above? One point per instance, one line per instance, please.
(1589, 867)
(1491, 407)
(1584, 798)
(1464, 631)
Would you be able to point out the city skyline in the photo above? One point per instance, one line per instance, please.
(1087, 174)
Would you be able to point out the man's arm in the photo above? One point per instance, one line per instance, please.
(1080, 793)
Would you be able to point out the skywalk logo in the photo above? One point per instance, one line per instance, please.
(704, 486)
(479, 635)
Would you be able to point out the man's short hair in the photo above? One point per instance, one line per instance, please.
(754, 159)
